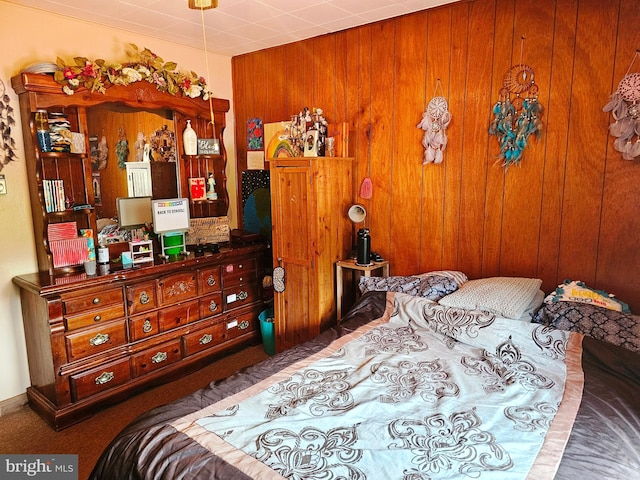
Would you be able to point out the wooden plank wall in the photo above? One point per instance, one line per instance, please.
(571, 209)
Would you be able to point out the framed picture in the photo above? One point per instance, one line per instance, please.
(311, 143)
(255, 134)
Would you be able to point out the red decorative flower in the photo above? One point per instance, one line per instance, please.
(69, 74)
(89, 70)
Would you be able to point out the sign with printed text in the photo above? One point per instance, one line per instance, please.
(38, 467)
(170, 215)
(208, 146)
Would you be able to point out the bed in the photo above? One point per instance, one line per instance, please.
(427, 377)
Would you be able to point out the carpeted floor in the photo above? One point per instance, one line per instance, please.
(25, 432)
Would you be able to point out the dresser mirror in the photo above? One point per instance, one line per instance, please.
(108, 124)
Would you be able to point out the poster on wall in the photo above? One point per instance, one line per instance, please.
(255, 134)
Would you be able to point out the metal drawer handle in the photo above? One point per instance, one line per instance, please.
(96, 301)
(213, 306)
(244, 325)
(206, 338)
(146, 326)
(211, 281)
(144, 298)
(240, 265)
(242, 295)
(104, 377)
(97, 318)
(99, 339)
(159, 357)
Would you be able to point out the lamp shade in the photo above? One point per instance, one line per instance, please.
(357, 213)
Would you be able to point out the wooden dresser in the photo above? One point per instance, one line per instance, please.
(92, 341)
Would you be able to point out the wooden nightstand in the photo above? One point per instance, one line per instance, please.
(357, 270)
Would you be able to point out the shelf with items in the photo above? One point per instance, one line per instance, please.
(58, 184)
(207, 185)
(141, 251)
(205, 165)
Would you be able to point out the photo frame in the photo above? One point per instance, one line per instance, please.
(311, 143)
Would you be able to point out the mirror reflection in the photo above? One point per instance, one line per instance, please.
(133, 154)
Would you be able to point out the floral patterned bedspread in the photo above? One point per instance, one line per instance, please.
(423, 392)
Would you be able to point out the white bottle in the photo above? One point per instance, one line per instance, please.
(190, 140)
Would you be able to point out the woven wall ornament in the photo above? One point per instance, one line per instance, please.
(625, 109)
(435, 121)
(516, 114)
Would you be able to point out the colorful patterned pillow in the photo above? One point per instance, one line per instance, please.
(433, 287)
(618, 328)
(507, 297)
(455, 275)
(576, 291)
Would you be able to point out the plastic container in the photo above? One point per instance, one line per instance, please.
(190, 140)
(42, 130)
(267, 329)
(175, 241)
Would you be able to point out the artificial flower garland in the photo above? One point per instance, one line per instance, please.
(98, 75)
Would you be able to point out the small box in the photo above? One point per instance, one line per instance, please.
(127, 260)
(197, 189)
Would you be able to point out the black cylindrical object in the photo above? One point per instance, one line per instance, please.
(363, 256)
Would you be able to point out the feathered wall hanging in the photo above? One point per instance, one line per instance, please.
(435, 121)
(624, 107)
(516, 114)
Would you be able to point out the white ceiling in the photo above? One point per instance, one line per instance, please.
(236, 26)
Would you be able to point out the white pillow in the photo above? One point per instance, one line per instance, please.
(533, 307)
(507, 297)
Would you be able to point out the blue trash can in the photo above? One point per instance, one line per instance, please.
(267, 329)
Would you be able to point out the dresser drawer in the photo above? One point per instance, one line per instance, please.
(205, 338)
(241, 324)
(211, 305)
(100, 379)
(143, 326)
(81, 304)
(239, 272)
(141, 297)
(177, 287)
(156, 358)
(178, 315)
(88, 342)
(210, 280)
(95, 316)
(236, 296)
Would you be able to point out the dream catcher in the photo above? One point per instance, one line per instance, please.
(435, 121)
(624, 107)
(516, 115)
